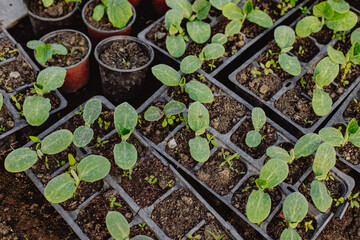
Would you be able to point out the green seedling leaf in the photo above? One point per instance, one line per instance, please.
(173, 17)
(20, 160)
(199, 92)
(36, 110)
(43, 53)
(72, 160)
(324, 161)
(290, 234)
(93, 168)
(258, 206)
(320, 196)
(219, 38)
(323, 9)
(190, 64)
(284, 36)
(59, 49)
(307, 145)
(125, 155)
(258, 118)
(92, 111)
(51, 78)
(47, 3)
(355, 138)
(332, 136)
(325, 72)
(182, 5)
(354, 53)
(248, 7)
(199, 149)
(219, 4)
(212, 51)
(353, 126)
(34, 44)
(1, 101)
(308, 25)
(290, 64)
(117, 225)
(119, 12)
(321, 102)
(278, 153)
(125, 119)
(175, 45)
(174, 108)
(342, 21)
(260, 18)
(56, 142)
(232, 12)
(167, 75)
(199, 31)
(355, 36)
(339, 6)
(202, 8)
(198, 118)
(253, 139)
(153, 114)
(336, 56)
(295, 208)
(60, 188)
(99, 12)
(141, 237)
(273, 172)
(232, 28)
(83, 136)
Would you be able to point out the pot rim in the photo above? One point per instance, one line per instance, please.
(51, 19)
(50, 34)
(117, 38)
(88, 25)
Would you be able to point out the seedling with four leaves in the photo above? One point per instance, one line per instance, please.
(119, 12)
(46, 51)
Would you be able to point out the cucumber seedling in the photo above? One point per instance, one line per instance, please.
(112, 8)
(258, 118)
(169, 113)
(46, 51)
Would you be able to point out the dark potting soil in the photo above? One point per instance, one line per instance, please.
(278, 224)
(104, 23)
(125, 54)
(324, 36)
(143, 192)
(335, 187)
(58, 9)
(142, 230)
(268, 133)
(240, 197)
(350, 77)
(16, 74)
(91, 219)
(211, 230)
(7, 50)
(54, 100)
(157, 35)
(76, 45)
(305, 49)
(6, 120)
(154, 131)
(221, 179)
(352, 110)
(263, 85)
(349, 151)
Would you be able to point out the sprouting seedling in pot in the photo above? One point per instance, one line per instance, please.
(295, 208)
(335, 14)
(258, 117)
(37, 108)
(24, 158)
(63, 187)
(48, 3)
(170, 77)
(228, 158)
(285, 38)
(119, 228)
(84, 134)
(169, 112)
(198, 117)
(112, 8)
(45, 51)
(125, 119)
(198, 30)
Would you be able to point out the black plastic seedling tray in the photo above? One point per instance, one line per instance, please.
(214, 20)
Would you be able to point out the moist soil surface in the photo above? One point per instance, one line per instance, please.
(141, 190)
(267, 132)
(207, 231)
(58, 9)
(76, 45)
(125, 54)
(16, 74)
(324, 36)
(7, 50)
(241, 196)
(7, 122)
(349, 151)
(352, 110)
(221, 179)
(142, 230)
(305, 49)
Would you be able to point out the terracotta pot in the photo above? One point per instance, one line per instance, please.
(160, 6)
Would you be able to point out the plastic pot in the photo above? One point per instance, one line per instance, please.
(77, 75)
(160, 6)
(122, 84)
(96, 35)
(42, 25)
